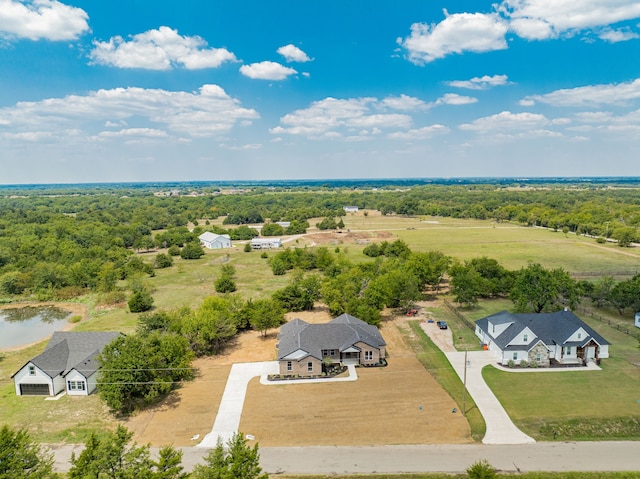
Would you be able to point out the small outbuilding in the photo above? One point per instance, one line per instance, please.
(214, 241)
(266, 243)
(350, 209)
(68, 363)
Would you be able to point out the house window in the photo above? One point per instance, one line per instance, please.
(289, 366)
(32, 370)
(567, 350)
(325, 352)
(525, 338)
(310, 367)
(515, 355)
(368, 355)
(75, 385)
(579, 335)
(333, 352)
(538, 357)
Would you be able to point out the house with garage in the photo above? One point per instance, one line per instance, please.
(559, 338)
(214, 241)
(68, 364)
(303, 347)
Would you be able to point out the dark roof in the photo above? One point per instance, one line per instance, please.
(72, 350)
(551, 328)
(339, 334)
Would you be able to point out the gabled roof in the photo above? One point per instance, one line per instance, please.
(340, 334)
(211, 237)
(71, 350)
(550, 328)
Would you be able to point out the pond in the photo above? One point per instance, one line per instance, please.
(29, 324)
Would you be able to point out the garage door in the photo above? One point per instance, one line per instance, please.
(34, 389)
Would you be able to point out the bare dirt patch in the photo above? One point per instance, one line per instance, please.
(398, 404)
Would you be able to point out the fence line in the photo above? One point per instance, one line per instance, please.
(459, 315)
(623, 329)
(603, 273)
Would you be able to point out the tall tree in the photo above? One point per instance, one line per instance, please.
(22, 458)
(538, 289)
(237, 461)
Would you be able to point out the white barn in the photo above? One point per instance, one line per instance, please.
(68, 363)
(350, 209)
(214, 241)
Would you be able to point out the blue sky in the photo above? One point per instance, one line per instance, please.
(133, 90)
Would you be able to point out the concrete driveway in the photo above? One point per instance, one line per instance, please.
(500, 428)
(228, 418)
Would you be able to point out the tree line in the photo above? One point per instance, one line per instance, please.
(112, 455)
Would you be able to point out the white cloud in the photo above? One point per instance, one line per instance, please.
(334, 118)
(542, 19)
(207, 112)
(506, 121)
(291, 53)
(404, 103)
(41, 20)
(613, 93)
(480, 83)
(134, 132)
(247, 147)
(455, 99)
(419, 133)
(457, 33)
(529, 19)
(619, 35)
(161, 49)
(267, 71)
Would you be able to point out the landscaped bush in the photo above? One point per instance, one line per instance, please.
(524, 363)
(511, 363)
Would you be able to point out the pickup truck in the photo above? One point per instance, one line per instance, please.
(442, 324)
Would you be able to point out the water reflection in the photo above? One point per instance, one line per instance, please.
(29, 324)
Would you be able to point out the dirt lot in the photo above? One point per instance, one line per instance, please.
(398, 404)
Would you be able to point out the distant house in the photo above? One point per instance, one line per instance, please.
(214, 241)
(266, 243)
(559, 338)
(68, 363)
(302, 347)
(350, 209)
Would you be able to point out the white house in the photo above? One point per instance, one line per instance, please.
(68, 363)
(214, 241)
(350, 209)
(560, 338)
(266, 243)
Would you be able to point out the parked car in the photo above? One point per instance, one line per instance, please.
(442, 324)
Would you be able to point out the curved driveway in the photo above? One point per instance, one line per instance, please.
(500, 428)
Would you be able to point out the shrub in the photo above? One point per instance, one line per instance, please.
(481, 470)
(174, 250)
(75, 319)
(524, 363)
(225, 284)
(264, 255)
(511, 363)
(140, 301)
(163, 261)
(247, 248)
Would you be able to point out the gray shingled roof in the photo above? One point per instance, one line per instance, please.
(551, 328)
(339, 334)
(68, 350)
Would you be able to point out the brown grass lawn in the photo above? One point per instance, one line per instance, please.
(381, 407)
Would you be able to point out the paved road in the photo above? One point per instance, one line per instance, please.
(541, 456)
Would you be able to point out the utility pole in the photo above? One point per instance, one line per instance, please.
(464, 386)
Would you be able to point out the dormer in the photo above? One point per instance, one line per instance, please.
(523, 338)
(579, 335)
(496, 328)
